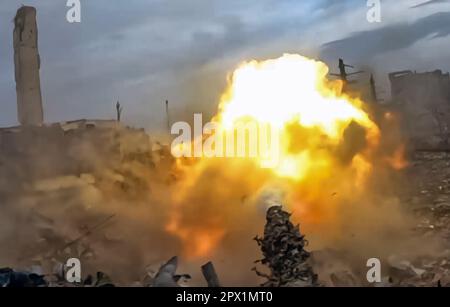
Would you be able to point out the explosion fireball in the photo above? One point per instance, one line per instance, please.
(288, 92)
(327, 145)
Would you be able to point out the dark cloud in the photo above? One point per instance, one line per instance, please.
(429, 3)
(367, 44)
(134, 51)
(143, 52)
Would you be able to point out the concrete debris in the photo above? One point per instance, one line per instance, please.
(283, 248)
(344, 279)
(386, 282)
(402, 269)
(101, 280)
(13, 279)
(424, 272)
(166, 276)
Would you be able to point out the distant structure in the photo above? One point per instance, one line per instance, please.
(27, 65)
(373, 90)
(424, 99)
(71, 148)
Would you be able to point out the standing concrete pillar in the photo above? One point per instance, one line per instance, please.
(27, 64)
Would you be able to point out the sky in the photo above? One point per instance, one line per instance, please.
(143, 52)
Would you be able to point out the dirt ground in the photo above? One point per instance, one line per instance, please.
(428, 196)
(35, 238)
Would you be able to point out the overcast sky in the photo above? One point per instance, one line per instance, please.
(145, 51)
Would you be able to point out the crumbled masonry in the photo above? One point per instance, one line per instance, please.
(13, 279)
(167, 277)
(283, 248)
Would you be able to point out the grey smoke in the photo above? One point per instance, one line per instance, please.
(368, 44)
(430, 2)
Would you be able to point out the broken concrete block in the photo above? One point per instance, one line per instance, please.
(166, 274)
(344, 279)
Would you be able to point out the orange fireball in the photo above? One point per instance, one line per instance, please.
(326, 143)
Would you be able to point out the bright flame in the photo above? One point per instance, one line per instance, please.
(293, 90)
(323, 133)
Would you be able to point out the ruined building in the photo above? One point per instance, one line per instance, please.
(27, 65)
(36, 149)
(424, 101)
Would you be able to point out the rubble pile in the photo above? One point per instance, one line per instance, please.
(13, 279)
(431, 199)
(424, 272)
(428, 196)
(166, 276)
(10, 278)
(283, 248)
(76, 215)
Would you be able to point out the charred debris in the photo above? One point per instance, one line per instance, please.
(283, 248)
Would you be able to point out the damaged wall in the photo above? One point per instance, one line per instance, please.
(27, 65)
(424, 100)
(69, 148)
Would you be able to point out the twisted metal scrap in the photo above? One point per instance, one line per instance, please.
(284, 254)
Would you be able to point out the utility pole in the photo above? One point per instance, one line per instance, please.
(167, 116)
(343, 74)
